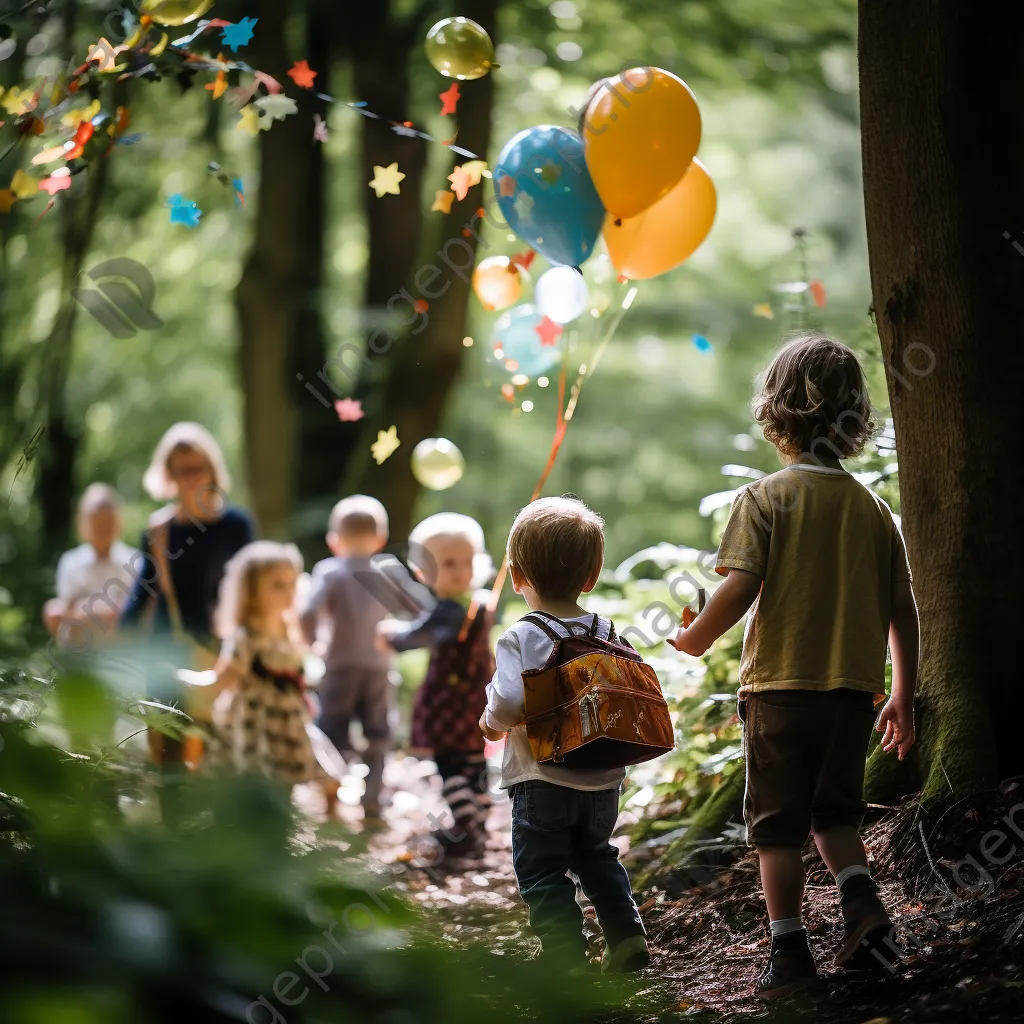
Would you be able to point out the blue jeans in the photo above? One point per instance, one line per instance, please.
(556, 830)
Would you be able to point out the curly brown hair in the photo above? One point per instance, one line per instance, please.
(812, 397)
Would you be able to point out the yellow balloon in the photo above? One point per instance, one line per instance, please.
(641, 129)
(460, 48)
(498, 282)
(437, 463)
(667, 233)
(174, 12)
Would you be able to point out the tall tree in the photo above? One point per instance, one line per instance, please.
(941, 90)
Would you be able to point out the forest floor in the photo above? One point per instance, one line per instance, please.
(959, 914)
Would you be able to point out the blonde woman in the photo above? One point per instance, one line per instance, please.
(185, 550)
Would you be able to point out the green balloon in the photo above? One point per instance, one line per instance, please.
(460, 48)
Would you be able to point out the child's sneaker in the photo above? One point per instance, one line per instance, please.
(628, 956)
(790, 967)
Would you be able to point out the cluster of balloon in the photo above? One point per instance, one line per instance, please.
(561, 294)
(498, 282)
(517, 342)
(174, 12)
(437, 463)
(641, 134)
(460, 48)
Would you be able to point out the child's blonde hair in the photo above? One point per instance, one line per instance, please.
(557, 545)
(237, 604)
(813, 396)
(183, 437)
(96, 498)
(358, 515)
(448, 526)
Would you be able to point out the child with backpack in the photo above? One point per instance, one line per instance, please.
(821, 560)
(578, 705)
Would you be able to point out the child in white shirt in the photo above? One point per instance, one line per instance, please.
(562, 818)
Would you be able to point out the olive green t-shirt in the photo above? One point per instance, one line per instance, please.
(827, 551)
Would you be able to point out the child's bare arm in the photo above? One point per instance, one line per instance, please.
(896, 722)
(726, 606)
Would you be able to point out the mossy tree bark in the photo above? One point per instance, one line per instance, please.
(941, 88)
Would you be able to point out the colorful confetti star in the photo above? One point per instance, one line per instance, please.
(271, 84)
(701, 344)
(449, 99)
(219, 85)
(349, 410)
(507, 186)
(73, 118)
(549, 332)
(277, 107)
(78, 142)
(818, 292)
(239, 187)
(319, 129)
(302, 74)
(18, 101)
(60, 179)
(7, 200)
(385, 179)
(24, 186)
(476, 169)
(763, 309)
(461, 181)
(249, 122)
(385, 445)
(238, 34)
(443, 201)
(184, 211)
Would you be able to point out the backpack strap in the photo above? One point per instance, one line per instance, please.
(535, 620)
(612, 636)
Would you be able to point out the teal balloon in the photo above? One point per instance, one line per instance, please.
(515, 334)
(546, 195)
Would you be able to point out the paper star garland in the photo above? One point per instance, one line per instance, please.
(476, 169)
(763, 309)
(449, 99)
(385, 179)
(302, 74)
(249, 122)
(277, 107)
(238, 34)
(218, 86)
(818, 293)
(81, 137)
(60, 179)
(24, 186)
(443, 201)
(319, 129)
(385, 445)
(349, 410)
(549, 332)
(184, 211)
(7, 200)
(461, 181)
(701, 344)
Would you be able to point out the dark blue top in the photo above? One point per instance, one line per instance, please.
(438, 626)
(196, 556)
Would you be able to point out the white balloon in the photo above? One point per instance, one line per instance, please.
(561, 294)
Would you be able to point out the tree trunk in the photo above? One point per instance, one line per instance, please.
(424, 366)
(940, 89)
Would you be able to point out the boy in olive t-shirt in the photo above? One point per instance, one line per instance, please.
(818, 559)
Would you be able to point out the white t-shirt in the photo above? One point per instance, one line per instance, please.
(526, 646)
(81, 574)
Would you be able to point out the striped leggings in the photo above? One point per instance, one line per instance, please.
(464, 788)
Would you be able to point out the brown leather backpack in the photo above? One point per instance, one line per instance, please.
(595, 703)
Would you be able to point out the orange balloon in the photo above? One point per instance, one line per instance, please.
(641, 130)
(498, 283)
(668, 232)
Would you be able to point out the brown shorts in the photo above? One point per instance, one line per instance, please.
(805, 752)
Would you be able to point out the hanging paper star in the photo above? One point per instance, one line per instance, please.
(385, 179)
(238, 34)
(276, 106)
(184, 211)
(384, 447)
(73, 118)
(818, 292)
(249, 122)
(56, 182)
(319, 129)
(271, 84)
(81, 137)
(218, 86)
(24, 186)
(7, 200)
(476, 169)
(549, 332)
(449, 99)
(236, 184)
(443, 201)
(701, 344)
(507, 186)
(47, 156)
(302, 74)
(17, 101)
(765, 310)
(349, 410)
(461, 181)
(103, 55)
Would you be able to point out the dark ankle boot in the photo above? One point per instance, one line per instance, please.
(790, 967)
